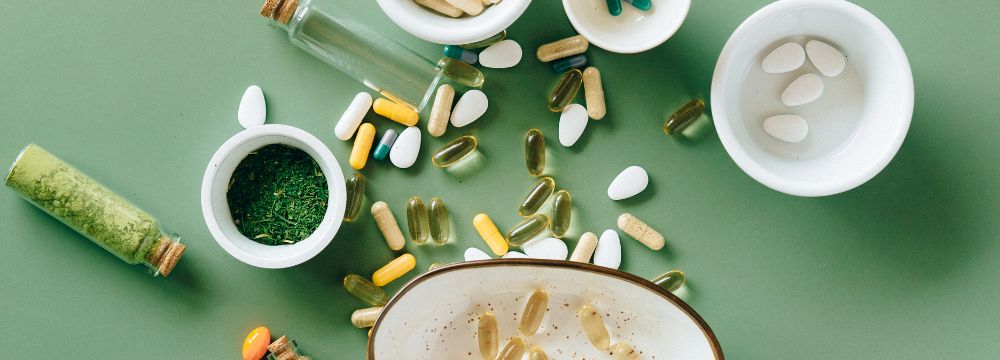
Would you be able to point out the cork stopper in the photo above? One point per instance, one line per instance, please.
(283, 349)
(279, 10)
(165, 255)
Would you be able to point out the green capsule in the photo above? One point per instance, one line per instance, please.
(534, 152)
(416, 220)
(562, 210)
(671, 280)
(365, 291)
(355, 196)
(487, 42)
(440, 228)
(461, 72)
(454, 151)
(527, 229)
(566, 90)
(572, 62)
(537, 196)
(684, 117)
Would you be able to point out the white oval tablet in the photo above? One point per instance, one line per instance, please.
(784, 58)
(609, 250)
(803, 90)
(501, 55)
(473, 254)
(406, 148)
(252, 109)
(628, 183)
(789, 128)
(827, 59)
(469, 108)
(514, 255)
(572, 122)
(547, 248)
(352, 117)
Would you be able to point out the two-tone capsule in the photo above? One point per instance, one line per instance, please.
(362, 146)
(641, 231)
(454, 151)
(388, 226)
(394, 269)
(416, 220)
(514, 350)
(534, 152)
(565, 90)
(355, 196)
(527, 229)
(457, 52)
(684, 117)
(441, 111)
(593, 326)
(365, 290)
(671, 280)
(365, 318)
(438, 221)
(572, 62)
(570, 46)
(385, 144)
(537, 196)
(490, 234)
(396, 112)
(562, 213)
(593, 92)
(488, 334)
(534, 312)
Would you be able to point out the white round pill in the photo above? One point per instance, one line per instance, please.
(547, 248)
(473, 254)
(406, 148)
(609, 250)
(469, 108)
(572, 122)
(827, 59)
(789, 128)
(784, 58)
(252, 109)
(501, 55)
(352, 117)
(803, 90)
(628, 183)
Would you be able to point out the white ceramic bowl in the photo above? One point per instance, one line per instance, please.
(434, 27)
(435, 316)
(855, 128)
(630, 32)
(215, 207)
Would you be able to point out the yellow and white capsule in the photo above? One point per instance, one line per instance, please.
(396, 112)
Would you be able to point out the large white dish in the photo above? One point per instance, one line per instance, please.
(434, 27)
(630, 32)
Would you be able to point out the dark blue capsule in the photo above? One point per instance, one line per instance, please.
(572, 62)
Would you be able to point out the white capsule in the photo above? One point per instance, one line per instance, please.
(803, 90)
(406, 148)
(784, 58)
(514, 255)
(252, 109)
(547, 248)
(473, 254)
(628, 183)
(469, 108)
(789, 128)
(827, 59)
(501, 55)
(572, 122)
(352, 117)
(609, 250)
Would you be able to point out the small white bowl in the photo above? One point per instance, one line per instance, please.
(431, 26)
(855, 128)
(215, 207)
(630, 32)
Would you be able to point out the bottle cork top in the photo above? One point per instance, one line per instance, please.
(279, 10)
(165, 256)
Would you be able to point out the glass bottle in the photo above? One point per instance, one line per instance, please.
(393, 70)
(93, 210)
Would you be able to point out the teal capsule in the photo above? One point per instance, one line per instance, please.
(457, 52)
(615, 7)
(384, 145)
(643, 5)
(573, 62)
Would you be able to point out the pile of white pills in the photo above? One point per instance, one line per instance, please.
(804, 89)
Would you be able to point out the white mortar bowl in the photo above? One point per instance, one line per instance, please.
(885, 107)
(632, 31)
(215, 207)
(432, 26)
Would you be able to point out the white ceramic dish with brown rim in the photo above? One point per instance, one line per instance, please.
(435, 315)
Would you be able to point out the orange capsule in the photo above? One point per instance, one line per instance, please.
(255, 345)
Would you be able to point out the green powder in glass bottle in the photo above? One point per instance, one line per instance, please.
(93, 210)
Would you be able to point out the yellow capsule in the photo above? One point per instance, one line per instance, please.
(441, 112)
(584, 248)
(567, 47)
(416, 220)
(460, 72)
(355, 196)
(527, 229)
(365, 291)
(365, 318)
(454, 151)
(624, 351)
(593, 92)
(255, 345)
(641, 231)
(513, 351)
(387, 225)
(362, 145)
(534, 312)
(537, 354)
(396, 112)
(537, 196)
(562, 212)
(684, 117)
(534, 152)
(439, 224)
(671, 280)
(394, 269)
(488, 335)
(490, 234)
(593, 325)
(565, 90)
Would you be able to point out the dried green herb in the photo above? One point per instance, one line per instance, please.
(277, 195)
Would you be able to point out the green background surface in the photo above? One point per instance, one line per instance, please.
(140, 94)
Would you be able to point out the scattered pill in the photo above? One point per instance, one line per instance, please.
(396, 112)
(593, 92)
(630, 182)
(534, 313)
(788, 128)
(572, 62)
(515, 255)
(456, 150)
(624, 351)
(514, 350)
(387, 225)
(488, 335)
(438, 221)
(365, 318)
(614, 7)
(362, 146)
(527, 229)
(572, 122)
(593, 326)
(609, 250)
(502, 55)
(570, 46)
(537, 354)
(486, 42)
(441, 7)
(584, 248)
(473, 254)
(353, 116)
(365, 290)
(537, 196)
(416, 220)
(470, 107)
(441, 111)
(394, 269)
(252, 110)
(385, 144)
(546, 248)
(642, 5)
(671, 280)
(784, 58)
(355, 196)
(562, 213)
(406, 148)
(255, 344)
(641, 231)
(471, 7)
(490, 234)
(684, 117)
(534, 152)
(803, 90)
(826, 58)
(456, 52)
(565, 91)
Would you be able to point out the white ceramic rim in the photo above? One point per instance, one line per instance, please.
(488, 24)
(774, 181)
(621, 48)
(334, 212)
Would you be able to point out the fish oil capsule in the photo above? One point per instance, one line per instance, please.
(454, 151)
(593, 92)
(624, 351)
(514, 350)
(570, 46)
(565, 90)
(684, 117)
(486, 42)
(488, 335)
(562, 211)
(537, 196)
(584, 248)
(394, 269)
(490, 234)
(534, 152)
(441, 112)
(456, 52)
(671, 280)
(416, 220)
(355, 196)
(365, 318)
(471, 7)
(365, 291)
(534, 312)
(396, 112)
(387, 225)
(441, 7)
(362, 146)
(527, 229)
(614, 7)
(385, 144)
(461, 72)
(439, 225)
(537, 354)
(572, 62)
(593, 325)
(641, 231)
